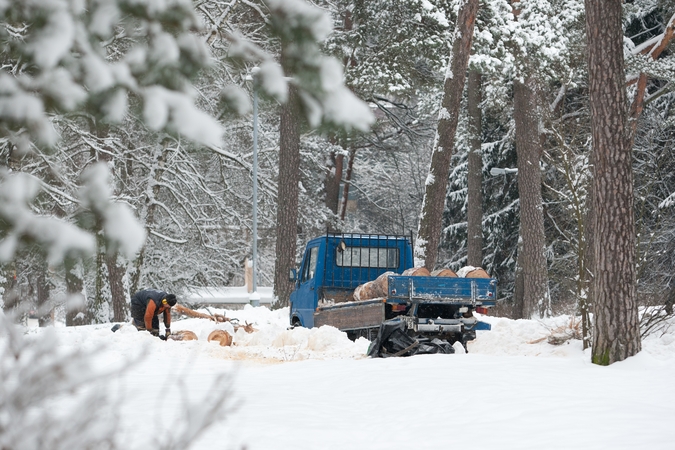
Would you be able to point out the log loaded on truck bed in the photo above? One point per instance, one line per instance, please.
(410, 314)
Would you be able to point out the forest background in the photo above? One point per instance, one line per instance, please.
(158, 95)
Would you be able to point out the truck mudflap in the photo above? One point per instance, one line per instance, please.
(393, 340)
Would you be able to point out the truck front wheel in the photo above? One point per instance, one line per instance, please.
(296, 323)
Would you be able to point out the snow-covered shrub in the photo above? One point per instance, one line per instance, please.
(52, 397)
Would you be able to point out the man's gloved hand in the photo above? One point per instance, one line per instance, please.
(167, 332)
(154, 332)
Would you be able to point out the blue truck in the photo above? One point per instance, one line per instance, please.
(334, 265)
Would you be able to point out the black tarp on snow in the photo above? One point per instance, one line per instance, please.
(392, 340)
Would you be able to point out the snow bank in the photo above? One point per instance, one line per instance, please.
(275, 341)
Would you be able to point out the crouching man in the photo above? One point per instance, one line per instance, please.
(146, 307)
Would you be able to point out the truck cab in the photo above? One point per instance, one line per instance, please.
(333, 266)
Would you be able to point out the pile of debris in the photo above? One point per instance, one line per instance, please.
(221, 336)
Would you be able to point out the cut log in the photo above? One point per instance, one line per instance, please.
(221, 336)
(377, 288)
(183, 335)
(444, 273)
(477, 273)
(416, 272)
(365, 291)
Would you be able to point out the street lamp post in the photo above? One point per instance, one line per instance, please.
(254, 296)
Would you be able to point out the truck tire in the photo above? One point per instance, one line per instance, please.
(296, 323)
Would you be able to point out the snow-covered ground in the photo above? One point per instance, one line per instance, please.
(315, 389)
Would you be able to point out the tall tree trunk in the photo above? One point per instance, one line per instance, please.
(117, 292)
(76, 305)
(44, 306)
(616, 333)
(287, 197)
(333, 179)
(431, 220)
(529, 149)
(152, 191)
(587, 299)
(99, 308)
(348, 183)
(10, 296)
(519, 286)
(475, 176)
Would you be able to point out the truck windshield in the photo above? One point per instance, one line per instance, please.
(367, 257)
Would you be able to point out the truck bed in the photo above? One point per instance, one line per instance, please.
(479, 291)
(351, 315)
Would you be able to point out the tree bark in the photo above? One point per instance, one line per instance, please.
(44, 307)
(528, 147)
(156, 173)
(519, 285)
(348, 183)
(333, 179)
(99, 308)
(431, 219)
(616, 333)
(10, 296)
(475, 175)
(76, 311)
(587, 299)
(117, 292)
(287, 196)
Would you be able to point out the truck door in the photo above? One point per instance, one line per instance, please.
(305, 298)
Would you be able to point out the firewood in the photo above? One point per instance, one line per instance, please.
(416, 272)
(477, 273)
(183, 335)
(377, 288)
(444, 273)
(221, 336)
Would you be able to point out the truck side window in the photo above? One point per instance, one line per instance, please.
(310, 264)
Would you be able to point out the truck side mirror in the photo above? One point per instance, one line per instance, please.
(293, 275)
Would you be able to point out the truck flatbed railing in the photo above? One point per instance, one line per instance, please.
(444, 289)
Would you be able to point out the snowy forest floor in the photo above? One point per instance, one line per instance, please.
(315, 389)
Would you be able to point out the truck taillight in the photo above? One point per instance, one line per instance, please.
(481, 310)
(398, 307)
